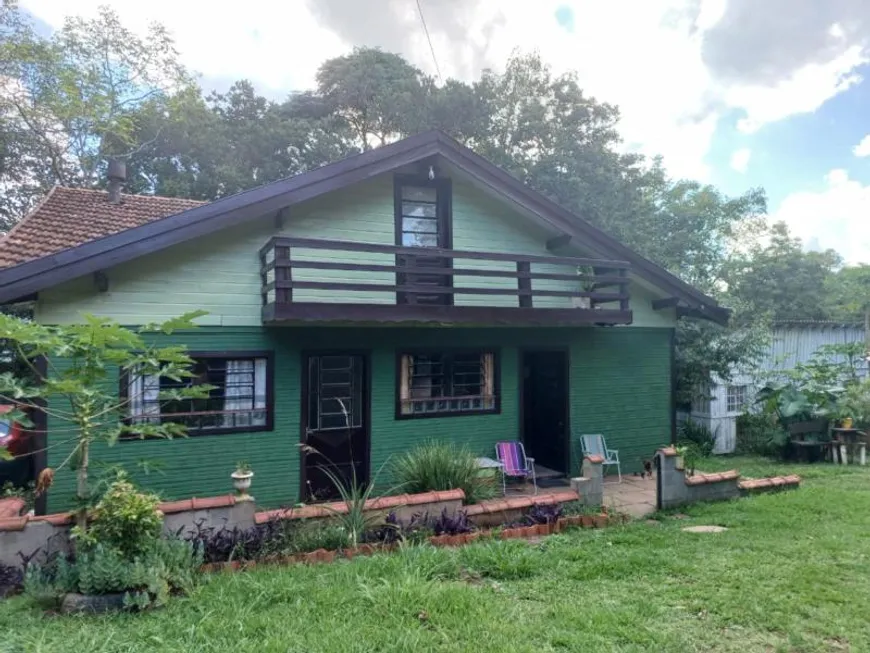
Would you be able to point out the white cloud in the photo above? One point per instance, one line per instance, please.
(804, 92)
(740, 159)
(669, 102)
(834, 217)
(862, 149)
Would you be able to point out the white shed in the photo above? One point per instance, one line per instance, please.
(791, 342)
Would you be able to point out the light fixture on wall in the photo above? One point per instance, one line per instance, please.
(431, 173)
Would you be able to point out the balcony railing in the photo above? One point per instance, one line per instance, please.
(302, 278)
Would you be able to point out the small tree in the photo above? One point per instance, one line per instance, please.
(80, 387)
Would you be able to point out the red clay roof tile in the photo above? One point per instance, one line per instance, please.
(702, 479)
(57, 519)
(13, 523)
(224, 501)
(11, 507)
(68, 217)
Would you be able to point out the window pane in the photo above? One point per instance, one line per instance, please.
(419, 193)
(335, 389)
(446, 383)
(419, 240)
(418, 210)
(420, 225)
(231, 403)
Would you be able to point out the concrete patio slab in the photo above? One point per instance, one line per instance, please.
(635, 496)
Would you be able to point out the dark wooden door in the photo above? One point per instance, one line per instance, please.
(423, 222)
(335, 423)
(545, 408)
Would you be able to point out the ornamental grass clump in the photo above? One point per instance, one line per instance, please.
(437, 466)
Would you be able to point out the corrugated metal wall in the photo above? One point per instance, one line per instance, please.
(791, 343)
(797, 343)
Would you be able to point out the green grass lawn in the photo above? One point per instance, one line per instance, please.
(790, 574)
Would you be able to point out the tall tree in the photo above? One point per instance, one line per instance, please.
(563, 143)
(779, 278)
(72, 100)
(848, 293)
(378, 94)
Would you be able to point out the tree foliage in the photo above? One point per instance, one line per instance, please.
(82, 392)
(73, 99)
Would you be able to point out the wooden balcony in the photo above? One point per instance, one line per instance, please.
(307, 280)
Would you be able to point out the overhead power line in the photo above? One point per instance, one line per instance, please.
(429, 38)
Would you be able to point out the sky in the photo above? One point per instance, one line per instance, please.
(737, 93)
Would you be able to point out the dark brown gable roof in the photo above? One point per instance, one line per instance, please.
(69, 217)
(32, 276)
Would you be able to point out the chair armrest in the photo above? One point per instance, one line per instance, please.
(531, 462)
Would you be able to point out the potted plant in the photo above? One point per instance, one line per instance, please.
(242, 479)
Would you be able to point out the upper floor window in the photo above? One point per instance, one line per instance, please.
(419, 214)
(239, 401)
(422, 212)
(423, 222)
(447, 383)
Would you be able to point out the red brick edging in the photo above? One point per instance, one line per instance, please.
(339, 507)
(704, 479)
(67, 518)
(750, 484)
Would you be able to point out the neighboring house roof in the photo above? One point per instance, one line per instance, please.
(83, 258)
(815, 324)
(69, 217)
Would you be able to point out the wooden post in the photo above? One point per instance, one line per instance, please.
(282, 255)
(623, 290)
(524, 283)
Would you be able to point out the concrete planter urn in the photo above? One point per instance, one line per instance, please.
(242, 482)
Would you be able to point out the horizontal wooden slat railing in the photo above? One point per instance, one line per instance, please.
(603, 283)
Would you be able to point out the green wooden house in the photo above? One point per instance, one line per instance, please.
(411, 292)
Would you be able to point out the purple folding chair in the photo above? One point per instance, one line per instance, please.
(515, 463)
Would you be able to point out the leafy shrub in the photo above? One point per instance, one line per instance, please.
(316, 534)
(544, 514)
(11, 576)
(760, 434)
(125, 520)
(222, 544)
(572, 508)
(455, 524)
(855, 403)
(167, 566)
(275, 537)
(46, 584)
(435, 466)
(693, 433)
(501, 560)
(417, 530)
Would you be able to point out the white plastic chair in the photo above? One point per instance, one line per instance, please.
(594, 445)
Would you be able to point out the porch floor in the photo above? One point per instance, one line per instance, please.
(635, 496)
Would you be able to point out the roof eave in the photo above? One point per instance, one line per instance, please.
(32, 276)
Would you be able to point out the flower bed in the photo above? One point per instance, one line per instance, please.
(456, 531)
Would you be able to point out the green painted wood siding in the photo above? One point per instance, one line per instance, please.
(200, 466)
(220, 273)
(620, 386)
